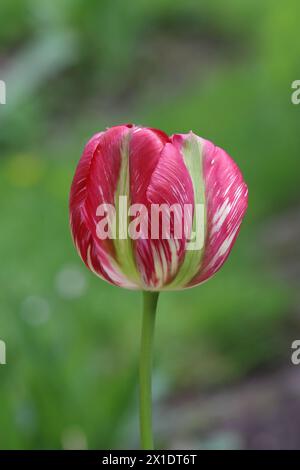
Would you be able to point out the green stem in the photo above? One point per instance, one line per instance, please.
(149, 309)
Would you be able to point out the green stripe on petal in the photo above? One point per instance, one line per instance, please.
(123, 243)
(192, 152)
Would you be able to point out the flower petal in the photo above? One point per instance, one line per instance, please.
(166, 181)
(191, 149)
(226, 199)
(95, 183)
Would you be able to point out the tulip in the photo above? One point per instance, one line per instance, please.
(150, 169)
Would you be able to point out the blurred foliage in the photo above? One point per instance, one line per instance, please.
(72, 68)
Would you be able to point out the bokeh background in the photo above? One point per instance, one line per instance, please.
(223, 376)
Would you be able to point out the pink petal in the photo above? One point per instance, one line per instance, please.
(226, 200)
(144, 153)
(158, 176)
(94, 183)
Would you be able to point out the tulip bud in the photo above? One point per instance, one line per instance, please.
(148, 169)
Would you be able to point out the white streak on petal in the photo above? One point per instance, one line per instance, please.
(223, 249)
(111, 270)
(221, 215)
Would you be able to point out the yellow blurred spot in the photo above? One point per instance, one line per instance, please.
(24, 171)
(74, 438)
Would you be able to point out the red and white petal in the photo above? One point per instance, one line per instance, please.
(226, 196)
(164, 180)
(145, 148)
(94, 183)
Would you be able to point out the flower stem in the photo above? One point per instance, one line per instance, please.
(149, 310)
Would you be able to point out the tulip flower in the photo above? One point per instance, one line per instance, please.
(194, 186)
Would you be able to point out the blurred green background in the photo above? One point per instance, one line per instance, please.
(222, 374)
